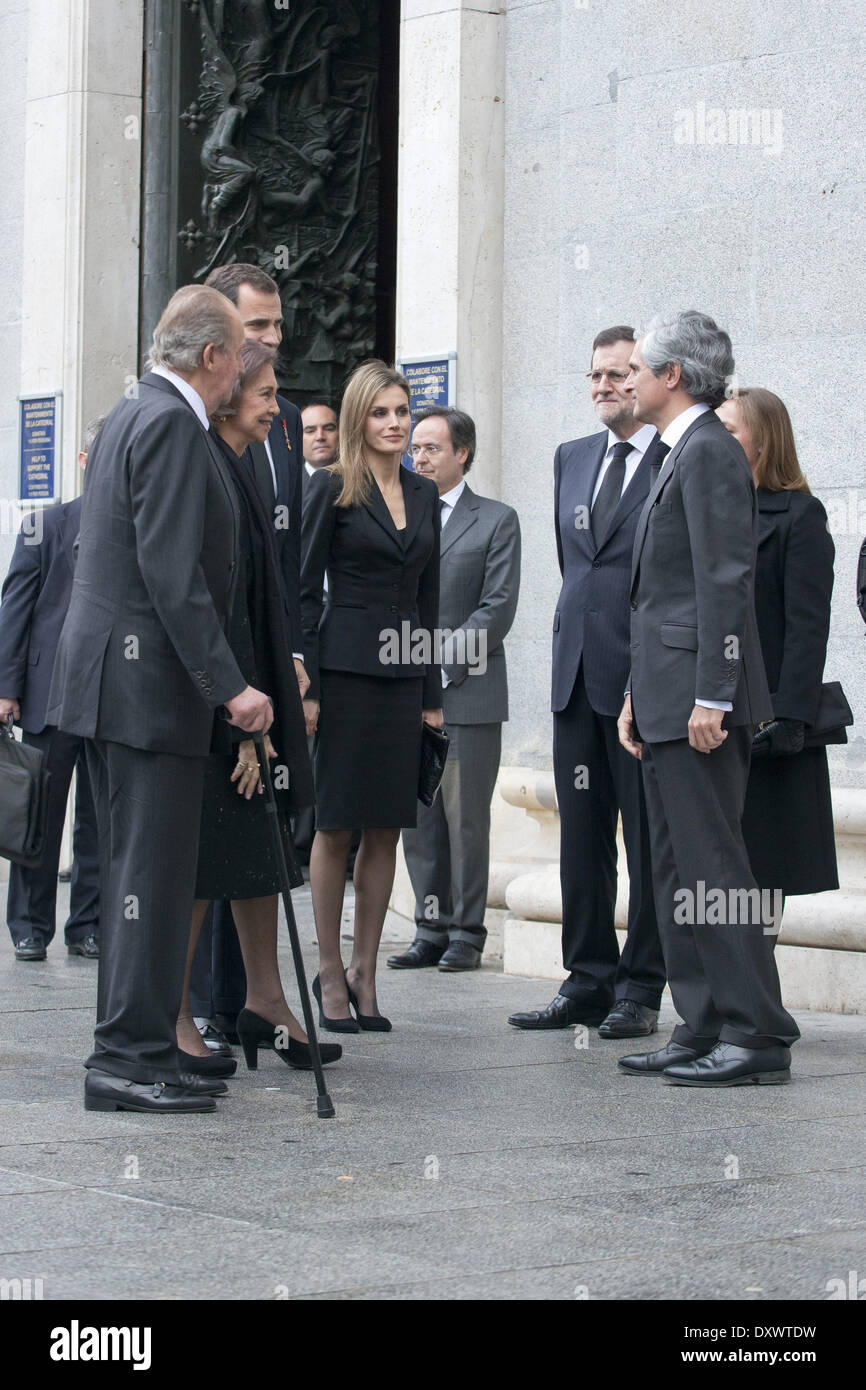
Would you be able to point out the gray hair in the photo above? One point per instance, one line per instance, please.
(461, 428)
(254, 356)
(702, 349)
(91, 430)
(194, 317)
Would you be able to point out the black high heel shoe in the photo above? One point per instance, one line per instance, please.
(368, 1023)
(332, 1025)
(253, 1030)
(210, 1066)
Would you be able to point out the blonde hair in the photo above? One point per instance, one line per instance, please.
(364, 385)
(766, 417)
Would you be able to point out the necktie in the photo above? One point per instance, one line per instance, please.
(661, 453)
(610, 491)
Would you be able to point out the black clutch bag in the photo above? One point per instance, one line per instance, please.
(833, 717)
(23, 800)
(434, 754)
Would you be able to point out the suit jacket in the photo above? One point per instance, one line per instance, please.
(379, 579)
(591, 622)
(35, 600)
(479, 583)
(285, 439)
(793, 589)
(143, 658)
(693, 629)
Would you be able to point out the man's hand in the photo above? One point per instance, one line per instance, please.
(434, 717)
(250, 711)
(625, 728)
(311, 715)
(8, 707)
(303, 678)
(705, 729)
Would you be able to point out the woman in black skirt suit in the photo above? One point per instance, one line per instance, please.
(373, 527)
(236, 858)
(788, 819)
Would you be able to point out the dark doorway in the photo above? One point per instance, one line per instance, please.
(271, 136)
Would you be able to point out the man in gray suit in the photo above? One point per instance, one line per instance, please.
(142, 664)
(697, 690)
(448, 854)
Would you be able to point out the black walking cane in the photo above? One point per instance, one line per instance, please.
(324, 1104)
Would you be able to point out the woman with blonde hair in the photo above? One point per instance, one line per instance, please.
(372, 527)
(788, 818)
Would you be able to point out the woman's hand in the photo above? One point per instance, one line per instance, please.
(246, 771)
(434, 717)
(311, 715)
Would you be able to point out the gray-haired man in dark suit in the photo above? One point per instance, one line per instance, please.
(448, 854)
(142, 665)
(697, 690)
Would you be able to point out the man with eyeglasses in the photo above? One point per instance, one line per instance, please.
(479, 578)
(600, 485)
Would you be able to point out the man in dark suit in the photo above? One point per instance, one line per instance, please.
(277, 464)
(142, 665)
(35, 601)
(600, 484)
(697, 690)
(320, 435)
(218, 979)
(448, 854)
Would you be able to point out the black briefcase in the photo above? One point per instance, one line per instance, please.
(434, 754)
(23, 800)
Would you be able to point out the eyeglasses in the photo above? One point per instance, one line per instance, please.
(616, 378)
(431, 449)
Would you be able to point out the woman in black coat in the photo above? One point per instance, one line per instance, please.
(236, 859)
(372, 527)
(788, 819)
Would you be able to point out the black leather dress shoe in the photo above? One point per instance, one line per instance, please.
(104, 1091)
(729, 1065)
(561, 1012)
(419, 955)
(213, 1065)
(629, 1019)
(211, 1035)
(31, 948)
(202, 1085)
(461, 955)
(89, 948)
(227, 1025)
(654, 1063)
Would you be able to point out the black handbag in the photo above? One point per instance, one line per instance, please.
(833, 717)
(434, 754)
(23, 800)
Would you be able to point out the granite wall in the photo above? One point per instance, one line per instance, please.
(683, 155)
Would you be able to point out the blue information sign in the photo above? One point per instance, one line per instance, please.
(432, 381)
(38, 442)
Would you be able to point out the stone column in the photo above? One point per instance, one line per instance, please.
(79, 294)
(450, 205)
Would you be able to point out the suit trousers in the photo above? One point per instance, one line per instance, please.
(32, 898)
(148, 810)
(448, 853)
(596, 781)
(218, 981)
(722, 973)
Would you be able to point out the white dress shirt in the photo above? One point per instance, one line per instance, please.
(639, 442)
(273, 469)
(189, 393)
(447, 502)
(672, 436)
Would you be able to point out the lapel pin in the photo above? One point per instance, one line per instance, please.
(286, 433)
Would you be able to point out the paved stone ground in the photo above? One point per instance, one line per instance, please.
(466, 1161)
